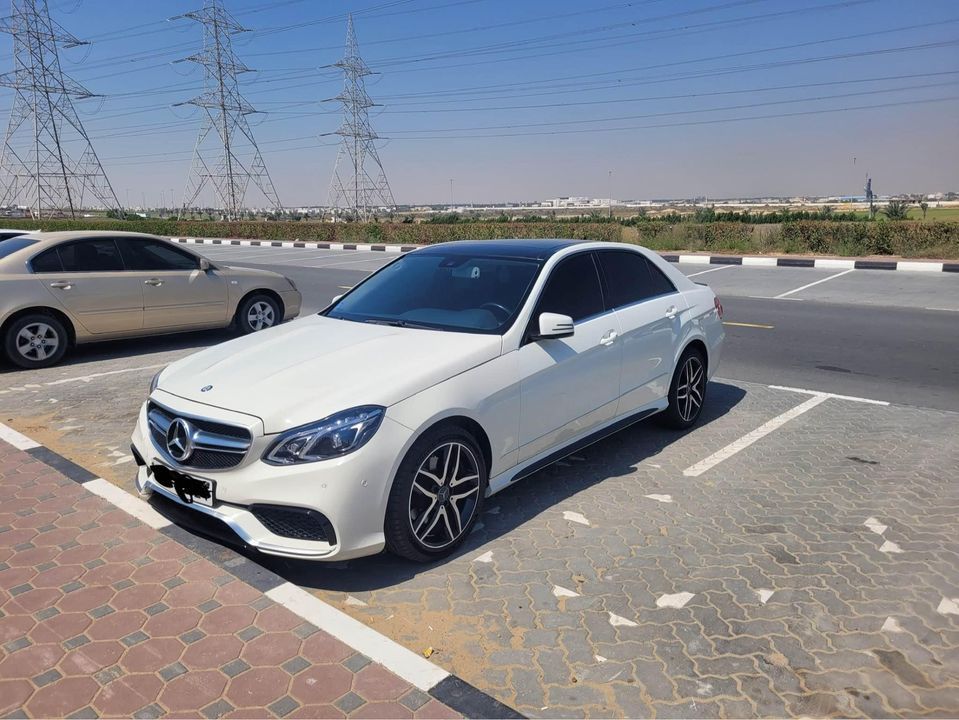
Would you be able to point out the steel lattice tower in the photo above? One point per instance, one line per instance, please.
(226, 153)
(48, 162)
(353, 187)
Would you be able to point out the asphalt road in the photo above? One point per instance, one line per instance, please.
(843, 341)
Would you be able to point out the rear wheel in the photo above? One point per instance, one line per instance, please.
(436, 496)
(257, 312)
(687, 391)
(35, 341)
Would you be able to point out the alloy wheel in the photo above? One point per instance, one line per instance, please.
(691, 388)
(444, 495)
(261, 315)
(37, 341)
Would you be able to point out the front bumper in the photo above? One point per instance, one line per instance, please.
(351, 492)
(292, 301)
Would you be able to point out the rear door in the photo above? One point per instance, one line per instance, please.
(176, 293)
(87, 277)
(569, 385)
(650, 313)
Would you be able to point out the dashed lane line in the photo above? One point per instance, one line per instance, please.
(809, 285)
(749, 438)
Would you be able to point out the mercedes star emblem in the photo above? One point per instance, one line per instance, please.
(179, 440)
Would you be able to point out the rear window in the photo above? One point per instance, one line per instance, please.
(8, 247)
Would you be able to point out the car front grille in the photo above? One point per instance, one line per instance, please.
(295, 522)
(216, 445)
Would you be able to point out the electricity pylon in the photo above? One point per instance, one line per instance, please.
(359, 185)
(226, 154)
(48, 162)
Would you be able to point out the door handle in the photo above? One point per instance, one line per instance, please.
(671, 312)
(155, 282)
(61, 285)
(609, 338)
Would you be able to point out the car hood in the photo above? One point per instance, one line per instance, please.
(305, 370)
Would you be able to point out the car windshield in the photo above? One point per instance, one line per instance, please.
(456, 292)
(11, 245)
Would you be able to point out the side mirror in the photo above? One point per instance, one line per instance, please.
(205, 265)
(553, 326)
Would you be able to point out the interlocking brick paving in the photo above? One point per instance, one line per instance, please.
(100, 615)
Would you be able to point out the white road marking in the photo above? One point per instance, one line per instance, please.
(350, 600)
(943, 309)
(486, 557)
(94, 376)
(562, 592)
(703, 272)
(890, 547)
(131, 505)
(876, 526)
(348, 262)
(20, 442)
(948, 606)
(749, 438)
(809, 285)
(892, 625)
(676, 600)
(764, 595)
(619, 621)
(600, 658)
(660, 498)
(410, 666)
(575, 517)
(834, 396)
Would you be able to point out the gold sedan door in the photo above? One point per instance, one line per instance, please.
(87, 278)
(177, 294)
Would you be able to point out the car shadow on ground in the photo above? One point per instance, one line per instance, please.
(131, 348)
(614, 456)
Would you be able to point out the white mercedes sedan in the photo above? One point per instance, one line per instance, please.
(388, 418)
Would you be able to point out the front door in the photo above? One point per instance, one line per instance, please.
(569, 385)
(176, 292)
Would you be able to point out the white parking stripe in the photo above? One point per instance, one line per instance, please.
(809, 285)
(407, 664)
(703, 272)
(852, 398)
(20, 442)
(134, 506)
(350, 262)
(749, 438)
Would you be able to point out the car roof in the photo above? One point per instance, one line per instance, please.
(531, 249)
(61, 235)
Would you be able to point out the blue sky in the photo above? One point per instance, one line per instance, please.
(528, 99)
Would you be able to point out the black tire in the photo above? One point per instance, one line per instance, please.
(257, 312)
(29, 339)
(683, 411)
(408, 505)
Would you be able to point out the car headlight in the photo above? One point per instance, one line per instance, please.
(156, 380)
(330, 437)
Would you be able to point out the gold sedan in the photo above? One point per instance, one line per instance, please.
(66, 288)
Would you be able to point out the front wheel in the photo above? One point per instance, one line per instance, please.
(687, 391)
(36, 341)
(257, 312)
(436, 496)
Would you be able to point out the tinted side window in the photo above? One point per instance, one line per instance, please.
(659, 283)
(627, 277)
(98, 255)
(572, 289)
(46, 262)
(155, 255)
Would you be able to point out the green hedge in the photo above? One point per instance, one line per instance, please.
(906, 238)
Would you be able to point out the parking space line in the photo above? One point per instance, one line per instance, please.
(703, 272)
(20, 442)
(809, 285)
(130, 504)
(760, 326)
(817, 393)
(749, 438)
(352, 262)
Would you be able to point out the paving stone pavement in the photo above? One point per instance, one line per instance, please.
(815, 573)
(102, 616)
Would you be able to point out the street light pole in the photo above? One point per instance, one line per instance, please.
(451, 194)
(610, 190)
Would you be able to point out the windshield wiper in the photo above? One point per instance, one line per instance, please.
(400, 323)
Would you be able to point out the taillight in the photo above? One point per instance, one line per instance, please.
(719, 307)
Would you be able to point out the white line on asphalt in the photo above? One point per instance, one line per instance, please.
(94, 376)
(831, 277)
(407, 664)
(769, 297)
(818, 393)
(943, 309)
(350, 262)
(134, 506)
(703, 272)
(749, 438)
(20, 442)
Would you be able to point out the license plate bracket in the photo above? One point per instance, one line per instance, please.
(188, 488)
